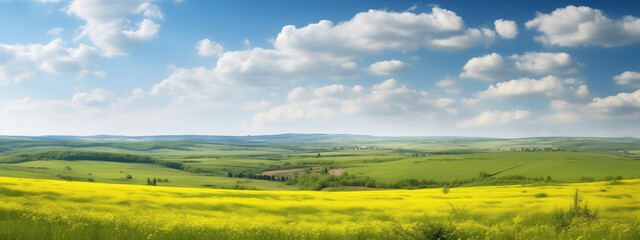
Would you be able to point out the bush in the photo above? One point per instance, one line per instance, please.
(540, 195)
(563, 219)
(445, 189)
(129, 176)
(427, 229)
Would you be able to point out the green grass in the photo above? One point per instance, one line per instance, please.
(207, 160)
(114, 172)
(562, 166)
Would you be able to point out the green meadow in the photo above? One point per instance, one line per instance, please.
(257, 187)
(319, 161)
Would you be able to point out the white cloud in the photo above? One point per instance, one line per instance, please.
(96, 97)
(506, 28)
(18, 62)
(620, 106)
(623, 104)
(453, 90)
(488, 67)
(549, 86)
(388, 98)
(208, 48)
(446, 83)
(628, 78)
(489, 118)
(376, 31)
(470, 101)
(246, 42)
(108, 24)
(327, 50)
(583, 26)
(444, 102)
(100, 74)
(493, 66)
(83, 73)
(189, 84)
(267, 67)
(546, 63)
(256, 105)
(563, 117)
(34, 116)
(390, 67)
(55, 31)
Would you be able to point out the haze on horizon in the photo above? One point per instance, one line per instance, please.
(383, 68)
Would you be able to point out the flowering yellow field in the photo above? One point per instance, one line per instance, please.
(50, 209)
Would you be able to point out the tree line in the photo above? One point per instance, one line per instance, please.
(259, 177)
(78, 155)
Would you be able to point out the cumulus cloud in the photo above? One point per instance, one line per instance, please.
(96, 97)
(108, 23)
(549, 86)
(377, 30)
(84, 72)
(18, 62)
(546, 63)
(37, 116)
(325, 49)
(446, 83)
(583, 26)
(506, 28)
(384, 99)
(390, 67)
(189, 84)
(256, 105)
(55, 31)
(622, 104)
(470, 101)
(96, 111)
(564, 111)
(488, 67)
(268, 67)
(489, 118)
(493, 66)
(628, 78)
(209, 48)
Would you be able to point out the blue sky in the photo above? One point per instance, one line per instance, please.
(394, 68)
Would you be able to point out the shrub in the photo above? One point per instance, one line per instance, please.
(563, 219)
(540, 195)
(445, 189)
(427, 229)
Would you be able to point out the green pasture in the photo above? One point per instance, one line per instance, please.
(114, 172)
(563, 166)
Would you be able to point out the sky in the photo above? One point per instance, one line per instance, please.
(385, 68)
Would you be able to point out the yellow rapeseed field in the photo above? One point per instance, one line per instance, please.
(50, 209)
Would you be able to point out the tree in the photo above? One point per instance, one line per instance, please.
(230, 174)
(445, 189)
(129, 176)
(318, 155)
(154, 181)
(148, 181)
